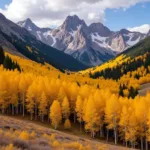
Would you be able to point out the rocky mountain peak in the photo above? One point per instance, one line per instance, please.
(100, 29)
(124, 31)
(28, 24)
(72, 23)
(28, 21)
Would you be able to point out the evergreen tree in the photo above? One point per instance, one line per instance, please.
(7, 63)
(2, 56)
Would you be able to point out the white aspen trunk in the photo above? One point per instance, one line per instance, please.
(12, 109)
(42, 118)
(36, 112)
(80, 126)
(141, 143)
(115, 134)
(23, 105)
(31, 116)
(101, 131)
(107, 135)
(3, 110)
(74, 117)
(126, 143)
(17, 109)
(146, 144)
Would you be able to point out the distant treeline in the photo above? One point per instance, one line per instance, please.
(120, 70)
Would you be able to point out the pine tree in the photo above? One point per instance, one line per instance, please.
(7, 63)
(2, 55)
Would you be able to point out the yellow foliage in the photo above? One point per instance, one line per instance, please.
(24, 135)
(56, 144)
(55, 114)
(67, 124)
(10, 147)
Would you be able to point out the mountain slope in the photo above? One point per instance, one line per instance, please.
(133, 59)
(92, 45)
(139, 49)
(26, 44)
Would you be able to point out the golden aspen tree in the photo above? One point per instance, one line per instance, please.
(55, 114)
(141, 111)
(67, 124)
(30, 101)
(43, 106)
(4, 91)
(23, 86)
(79, 110)
(73, 92)
(124, 121)
(132, 128)
(61, 94)
(84, 108)
(91, 117)
(65, 108)
(112, 113)
(13, 92)
(100, 107)
(148, 127)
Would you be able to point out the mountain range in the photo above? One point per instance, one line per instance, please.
(19, 41)
(91, 45)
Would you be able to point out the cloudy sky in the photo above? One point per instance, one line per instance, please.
(116, 14)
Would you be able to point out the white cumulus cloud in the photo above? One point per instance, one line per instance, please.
(143, 28)
(53, 12)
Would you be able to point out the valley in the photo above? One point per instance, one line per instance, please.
(78, 87)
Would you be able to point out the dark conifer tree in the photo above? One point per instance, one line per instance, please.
(2, 55)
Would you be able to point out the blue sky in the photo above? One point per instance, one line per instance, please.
(136, 15)
(4, 2)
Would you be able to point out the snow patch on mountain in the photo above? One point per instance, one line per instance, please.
(39, 34)
(131, 43)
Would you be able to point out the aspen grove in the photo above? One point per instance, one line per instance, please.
(99, 112)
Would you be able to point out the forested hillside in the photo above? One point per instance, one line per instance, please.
(130, 60)
(102, 108)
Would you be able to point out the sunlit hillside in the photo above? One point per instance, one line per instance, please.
(76, 103)
(110, 64)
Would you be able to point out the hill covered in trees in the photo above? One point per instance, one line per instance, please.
(129, 60)
(43, 93)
